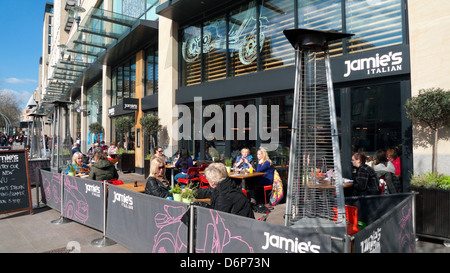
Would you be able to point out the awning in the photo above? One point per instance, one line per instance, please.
(183, 11)
(99, 31)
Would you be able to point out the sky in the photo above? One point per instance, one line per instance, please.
(21, 25)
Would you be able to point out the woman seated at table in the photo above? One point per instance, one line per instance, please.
(102, 169)
(225, 194)
(113, 150)
(185, 162)
(244, 160)
(157, 184)
(256, 194)
(77, 163)
(366, 180)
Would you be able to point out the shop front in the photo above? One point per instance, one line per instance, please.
(242, 67)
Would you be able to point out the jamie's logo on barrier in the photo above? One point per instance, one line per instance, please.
(289, 245)
(93, 189)
(125, 200)
(378, 64)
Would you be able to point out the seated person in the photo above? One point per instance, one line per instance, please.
(157, 184)
(392, 156)
(385, 170)
(113, 148)
(244, 160)
(159, 154)
(185, 162)
(256, 194)
(382, 163)
(225, 194)
(102, 169)
(77, 162)
(366, 180)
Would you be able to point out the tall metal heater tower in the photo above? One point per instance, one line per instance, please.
(315, 196)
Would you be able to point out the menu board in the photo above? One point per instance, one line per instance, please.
(15, 193)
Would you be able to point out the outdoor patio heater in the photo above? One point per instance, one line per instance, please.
(61, 144)
(315, 196)
(35, 135)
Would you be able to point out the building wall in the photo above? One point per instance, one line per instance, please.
(168, 79)
(429, 25)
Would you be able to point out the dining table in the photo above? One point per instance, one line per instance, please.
(244, 176)
(136, 186)
(171, 167)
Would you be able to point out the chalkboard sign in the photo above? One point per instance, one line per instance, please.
(15, 193)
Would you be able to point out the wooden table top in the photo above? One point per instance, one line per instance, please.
(245, 176)
(131, 186)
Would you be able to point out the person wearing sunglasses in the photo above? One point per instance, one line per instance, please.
(157, 184)
(159, 154)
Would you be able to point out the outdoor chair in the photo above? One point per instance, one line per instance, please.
(192, 172)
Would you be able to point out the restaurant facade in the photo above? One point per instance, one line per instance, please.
(220, 74)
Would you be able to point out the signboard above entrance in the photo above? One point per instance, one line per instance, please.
(130, 104)
(381, 62)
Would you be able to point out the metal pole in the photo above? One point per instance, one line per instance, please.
(191, 229)
(53, 141)
(58, 137)
(103, 241)
(62, 219)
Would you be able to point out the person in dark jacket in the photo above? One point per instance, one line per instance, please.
(225, 194)
(157, 184)
(366, 180)
(102, 169)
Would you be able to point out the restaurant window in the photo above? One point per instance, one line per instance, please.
(322, 15)
(214, 49)
(375, 117)
(242, 43)
(123, 81)
(276, 16)
(151, 76)
(375, 23)
(190, 50)
(93, 107)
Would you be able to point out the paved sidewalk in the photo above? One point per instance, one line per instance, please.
(22, 232)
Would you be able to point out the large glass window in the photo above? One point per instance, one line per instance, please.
(242, 37)
(276, 16)
(94, 106)
(190, 50)
(151, 78)
(375, 23)
(255, 41)
(322, 15)
(214, 49)
(375, 117)
(123, 80)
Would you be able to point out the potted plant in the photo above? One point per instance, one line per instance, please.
(176, 192)
(126, 157)
(432, 205)
(228, 164)
(150, 127)
(72, 170)
(188, 194)
(430, 111)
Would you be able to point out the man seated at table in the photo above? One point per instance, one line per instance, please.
(225, 194)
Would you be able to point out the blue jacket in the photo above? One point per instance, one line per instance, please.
(244, 165)
(266, 179)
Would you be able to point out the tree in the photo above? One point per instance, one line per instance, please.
(123, 126)
(96, 128)
(150, 126)
(432, 107)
